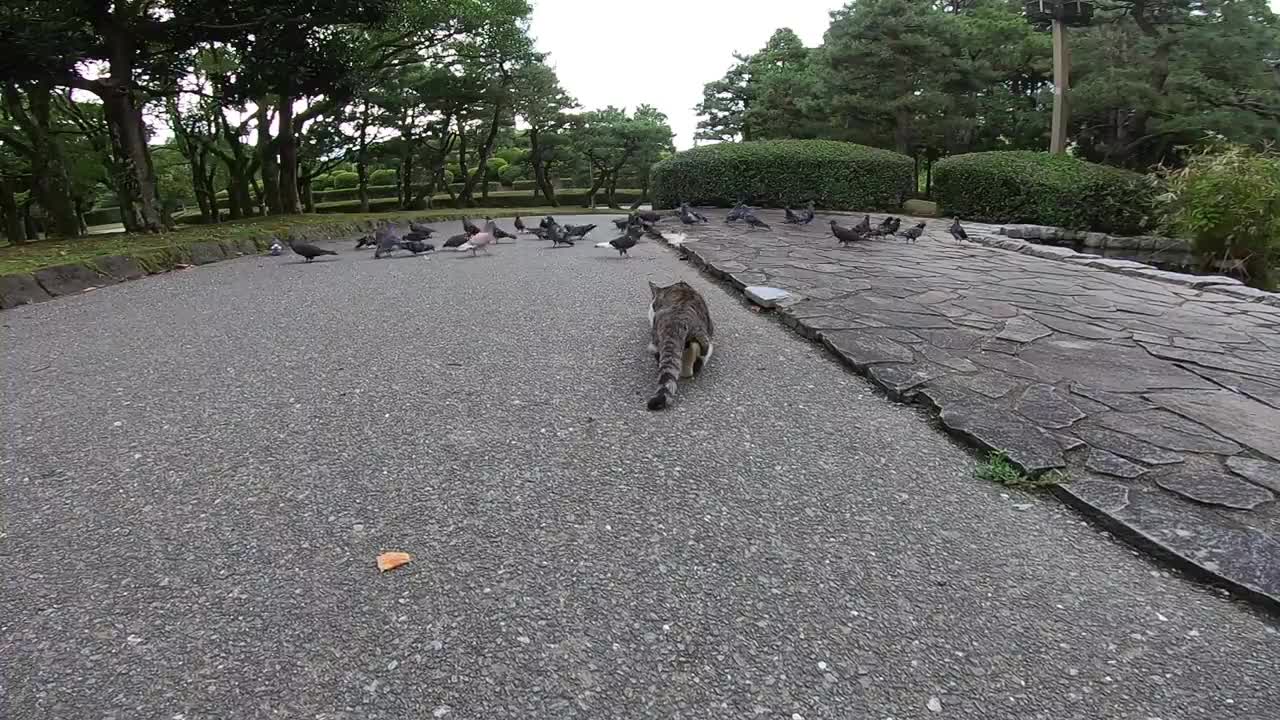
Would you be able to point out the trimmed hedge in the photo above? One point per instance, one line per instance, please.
(506, 199)
(103, 216)
(345, 194)
(526, 185)
(1043, 189)
(833, 174)
(384, 176)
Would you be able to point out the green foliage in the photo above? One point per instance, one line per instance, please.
(493, 168)
(833, 174)
(1044, 189)
(385, 176)
(526, 185)
(1228, 202)
(496, 199)
(345, 180)
(322, 182)
(511, 173)
(511, 156)
(1000, 470)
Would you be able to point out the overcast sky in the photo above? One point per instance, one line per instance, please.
(665, 50)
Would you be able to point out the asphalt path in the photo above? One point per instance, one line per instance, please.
(200, 468)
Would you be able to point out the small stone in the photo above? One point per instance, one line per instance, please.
(441, 711)
(934, 705)
(822, 665)
(765, 296)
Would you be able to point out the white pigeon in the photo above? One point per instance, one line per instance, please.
(480, 240)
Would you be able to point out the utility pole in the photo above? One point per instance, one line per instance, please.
(1058, 15)
(1061, 83)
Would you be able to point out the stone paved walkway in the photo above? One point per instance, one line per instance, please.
(1161, 403)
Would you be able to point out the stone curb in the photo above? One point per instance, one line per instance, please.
(73, 278)
(1090, 495)
(1015, 237)
(1209, 283)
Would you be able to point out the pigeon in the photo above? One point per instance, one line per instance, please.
(863, 227)
(416, 228)
(556, 234)
(537, 232)
(276, 248)
(366, 241)
(388, 242)
(791, 217)
(416, 236)
(547, 222)
(687, 216)
(457, 241)
(308, 251)
(469, 227)
(578, 231)
(737, 213)
(914, 232)
(621, 244)
(894, 224)
(417, 246)
(479, 241)
(807, 216)
(886, 226)
(846, 235)
(649, 230)
(519, 224)
(957, 230)
(622, 223)
(649, 216)
(497, 232)
(696, 215)
(754, 221)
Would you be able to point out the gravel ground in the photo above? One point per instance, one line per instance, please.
(200, 468)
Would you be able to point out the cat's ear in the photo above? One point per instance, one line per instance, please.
(653, 288)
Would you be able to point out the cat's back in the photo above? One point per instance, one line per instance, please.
(683, 303)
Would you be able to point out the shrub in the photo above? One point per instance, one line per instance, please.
(103, 216)
(511, 174)
(346, 194)
(506, 199)
(345, 180)
(493, 168)
(513, 156)
(384, 176)
(1044, 189)
(322, 182)
(1228, 202)
(784, 172)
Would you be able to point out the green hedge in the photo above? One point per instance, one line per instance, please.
(345, 179)
(345, 194)
(1044, 189)
(526, 185)
(383, 177)
(775, 173)
(505, 199)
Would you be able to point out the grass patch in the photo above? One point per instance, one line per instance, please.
(1000, 470)
(45, 253)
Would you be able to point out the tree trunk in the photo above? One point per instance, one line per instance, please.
(14, 229)
(405, 192)
(482, 171)
(50, 180)
(268, 159)
(308, 200)
(596, 184)
(362, 158)
(136, 180)
(288, 158)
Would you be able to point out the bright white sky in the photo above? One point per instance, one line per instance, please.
(664, 51)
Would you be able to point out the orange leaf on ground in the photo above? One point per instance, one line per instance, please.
(392, 560)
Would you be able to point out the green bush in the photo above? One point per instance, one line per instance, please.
(322, 182)
(1035, 187)
(1228, 202)
(505, 199)
(345, 180)
(346, 194)
(833, 174)
(513, 156)
(493, 168)
(511, 173)
(383, 177)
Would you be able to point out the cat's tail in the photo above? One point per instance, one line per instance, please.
(670, 356)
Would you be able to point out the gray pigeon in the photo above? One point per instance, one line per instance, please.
(791, 218)
(846, 235)
(957, 230)
(388, 242)
(737, 213)
(469, 227)
(498, 233)
(864, 226)
(913, 232)
(417, 246)
(308, 251)
(578, 231)
(754, 221)
(622, 244)
(420, 229)
(456, 241)
(556, 234)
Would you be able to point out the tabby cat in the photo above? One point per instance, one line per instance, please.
(682, 334)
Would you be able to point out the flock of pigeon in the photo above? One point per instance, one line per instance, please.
(643, 223)
(385, 240)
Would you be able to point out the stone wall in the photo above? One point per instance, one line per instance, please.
(1095, 240)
